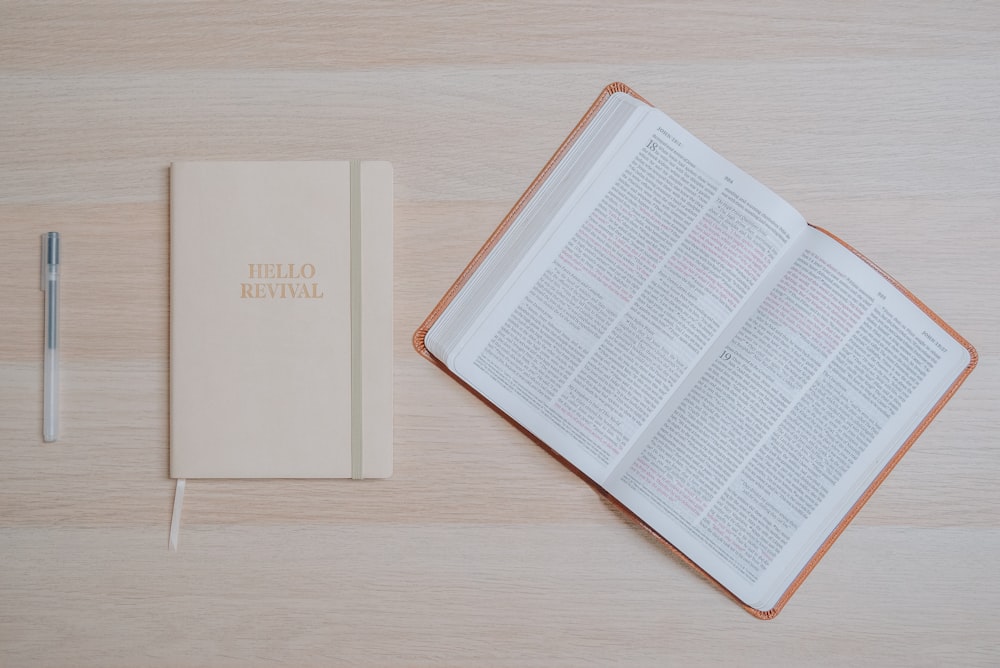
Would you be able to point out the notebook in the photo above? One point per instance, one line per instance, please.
(281, 319)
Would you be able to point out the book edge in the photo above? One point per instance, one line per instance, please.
(420, 335)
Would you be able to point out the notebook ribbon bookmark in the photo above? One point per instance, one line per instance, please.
(175, 518)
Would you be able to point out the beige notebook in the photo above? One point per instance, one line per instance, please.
(281, 320)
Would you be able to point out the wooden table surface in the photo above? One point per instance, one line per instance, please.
(879, 122)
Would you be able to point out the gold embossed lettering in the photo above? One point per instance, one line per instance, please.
(268, 283)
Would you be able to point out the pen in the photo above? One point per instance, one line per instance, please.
(50, 381)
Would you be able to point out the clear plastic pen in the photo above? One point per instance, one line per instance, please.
(50, 381)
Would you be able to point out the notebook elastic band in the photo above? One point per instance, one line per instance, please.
(357, 470)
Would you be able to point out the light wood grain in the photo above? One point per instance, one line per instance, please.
(878, 121)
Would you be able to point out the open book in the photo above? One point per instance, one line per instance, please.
(738, 380)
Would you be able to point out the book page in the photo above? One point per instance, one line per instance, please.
(640, 276)
(794, 413)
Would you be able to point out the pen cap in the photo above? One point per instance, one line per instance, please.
(50, 257)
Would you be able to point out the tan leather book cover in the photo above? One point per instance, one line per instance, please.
(281, 319)
(420, 346)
